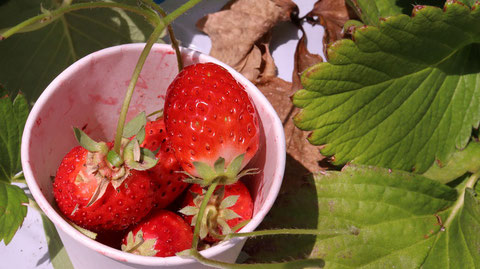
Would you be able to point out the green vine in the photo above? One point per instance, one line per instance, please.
(48, 17)
(171, 34)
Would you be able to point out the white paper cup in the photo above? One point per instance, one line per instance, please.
(88, 95)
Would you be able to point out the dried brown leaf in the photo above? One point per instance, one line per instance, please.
(278, 92)
(303, 60)
(241, 30)
(332, 15)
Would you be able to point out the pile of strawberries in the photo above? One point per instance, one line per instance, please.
(143, 196)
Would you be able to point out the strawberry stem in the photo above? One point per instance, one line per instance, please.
(353, 231)
(136, 73)
(314, 263)
(201, 212)
(174, 40)
(138, 68)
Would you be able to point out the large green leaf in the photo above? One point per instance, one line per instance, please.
(458, 247)
(371, 12)
(396, 213)
(461, 162)
(12, 210)
(12, 121)
(401, 94)
(404, 220)
(29, 61)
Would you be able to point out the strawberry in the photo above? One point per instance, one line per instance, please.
(229, 206)
(169, 183)
(161, 234)
(155, 134)
(211, 123)
(88, 201)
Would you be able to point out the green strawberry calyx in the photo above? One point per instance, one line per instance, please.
(216, 213)
(138, 245)
(107, 166)
(219, 173)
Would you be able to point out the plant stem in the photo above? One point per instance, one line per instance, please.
(353, 231)
(19, 178)
(314, 263)
(459, 203)
(201, 212)
(43, 20)
(179, 11)
(174, 40)
(138, 68)
(33, 204)
(131, 87)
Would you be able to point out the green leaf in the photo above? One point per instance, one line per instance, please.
(469, 3)
(461, 162)
(229, 201)
(404, 220)
(12, 210)
(219, 165)
(401, 95)
(88, 143)
(140, 136)
(29, 61)
(134, 126)
(137, 158)
(371, 12)
(235, 166)
(394, 211)
(12, 121)
(458, 246)
(205, 172)
(58, 254)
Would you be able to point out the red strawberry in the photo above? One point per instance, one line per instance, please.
(169, 183)
(100, 205)
(162, 234)
(229, 206)
(211, 122)
(155, 134)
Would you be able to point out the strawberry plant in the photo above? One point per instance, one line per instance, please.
(396, 106)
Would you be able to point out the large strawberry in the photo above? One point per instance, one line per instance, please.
(99, 205)
(230, 206)
(169, 182)
(162, 234)
(211, 122)
(100, 188)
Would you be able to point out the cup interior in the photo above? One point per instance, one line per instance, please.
(89, 95)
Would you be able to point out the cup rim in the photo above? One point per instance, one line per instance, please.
(61, 223)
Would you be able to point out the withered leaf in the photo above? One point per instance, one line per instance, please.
(278, 92)
(332, 15)
(240, 31)
(303, 60)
